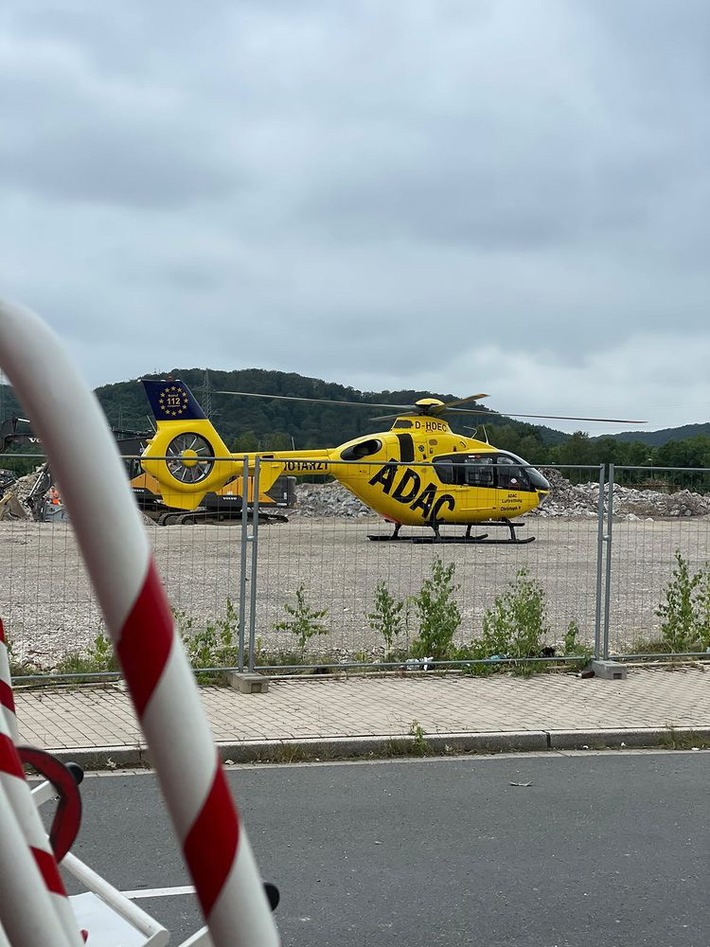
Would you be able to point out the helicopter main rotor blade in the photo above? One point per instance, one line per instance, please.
(409, 408)
(449, 405)
(546, 417)
(454, 407)
(328, 401)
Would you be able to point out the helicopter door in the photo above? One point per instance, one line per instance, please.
(406, 448)
(479, 478)
(476, 474)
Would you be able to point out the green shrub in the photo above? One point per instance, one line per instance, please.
(515, 626)
(98, 658)
(685, 613)
(703, 612)
(572, 648)
(216, 645)
(438, 613)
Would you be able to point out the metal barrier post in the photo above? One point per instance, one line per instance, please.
(7, 700)
(243, 564)
(600, 559)
(607, 584)
(27, 913)
(254, 552)
(18, 798)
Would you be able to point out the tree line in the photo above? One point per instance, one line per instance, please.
(250, 424)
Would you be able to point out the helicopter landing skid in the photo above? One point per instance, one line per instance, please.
(481, 540)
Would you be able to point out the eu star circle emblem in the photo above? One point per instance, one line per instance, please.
(173, 401)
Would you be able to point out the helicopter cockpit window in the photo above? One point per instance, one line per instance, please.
(511, 476)
(401, 422)
(362, 449)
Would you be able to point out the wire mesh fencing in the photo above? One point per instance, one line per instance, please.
(657, 596)
(338, 570)
(605, 556)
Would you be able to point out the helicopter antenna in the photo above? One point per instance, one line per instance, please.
(474, 433)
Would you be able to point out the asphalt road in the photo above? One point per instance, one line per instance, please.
(599, 850)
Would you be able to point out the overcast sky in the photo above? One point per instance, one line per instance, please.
(510, 196)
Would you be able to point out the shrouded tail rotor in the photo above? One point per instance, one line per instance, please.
(190, 458)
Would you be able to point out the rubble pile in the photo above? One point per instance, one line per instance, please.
(22, 487)
(582, 500)
(647, 503)
(565, 499)
(327, 499)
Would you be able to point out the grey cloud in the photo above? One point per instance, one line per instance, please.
(112, 165)
(76, 147)
(399, 193)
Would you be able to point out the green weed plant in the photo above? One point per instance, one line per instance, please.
(303, 621)
(215, 645)
(387, 616)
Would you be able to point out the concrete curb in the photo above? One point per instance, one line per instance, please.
(397, 745)
(668, 737)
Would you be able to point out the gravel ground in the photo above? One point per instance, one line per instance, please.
(49, 608)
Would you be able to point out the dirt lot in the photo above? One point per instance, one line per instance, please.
(49, 608)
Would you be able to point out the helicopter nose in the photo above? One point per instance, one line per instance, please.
(541, 484)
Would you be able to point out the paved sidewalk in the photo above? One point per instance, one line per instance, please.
(324, 718)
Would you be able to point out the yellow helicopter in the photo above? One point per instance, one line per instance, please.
(419, 473)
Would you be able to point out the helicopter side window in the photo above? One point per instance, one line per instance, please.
(444, 470)
(450, 470)
(406, 448)
(479, 471)
(362, 449)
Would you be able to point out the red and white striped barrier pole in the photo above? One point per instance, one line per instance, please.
(17, 914)
(94, 487)
(27, 915)
(7, 701)
(26, 841)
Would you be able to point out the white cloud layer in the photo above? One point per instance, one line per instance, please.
(452, 195)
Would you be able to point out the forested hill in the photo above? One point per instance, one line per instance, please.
(659, 438)
(247, 423)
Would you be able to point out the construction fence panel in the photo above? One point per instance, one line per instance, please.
(659, 514)
(336, 568)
